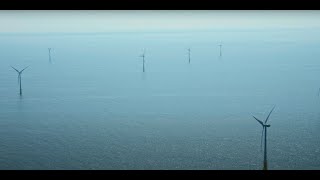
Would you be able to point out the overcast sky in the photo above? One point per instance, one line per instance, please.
(114, 21)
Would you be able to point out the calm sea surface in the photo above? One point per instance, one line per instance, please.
(93, 108)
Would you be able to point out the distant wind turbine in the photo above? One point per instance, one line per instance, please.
(143, 61)
(319, 92)
(264, 131)
(189, 50)
(220, 49)
(19, 77)
(49, 54)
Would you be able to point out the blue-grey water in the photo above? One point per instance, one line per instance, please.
(93, 108)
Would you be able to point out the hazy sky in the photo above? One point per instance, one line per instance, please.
(113, 21)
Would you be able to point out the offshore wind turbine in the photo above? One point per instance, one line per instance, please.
(220, 49)
(143, 61)
(19, 77)
(264, 131)
(49, 49)
(189, 50)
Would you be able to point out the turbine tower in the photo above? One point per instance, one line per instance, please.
(264, 131)
(189, 50)
(49, 54)
(19, 77)
(143, 61)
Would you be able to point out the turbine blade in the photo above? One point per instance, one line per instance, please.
(15, 69)
(258, 120)
(269, 114)
(24, 69)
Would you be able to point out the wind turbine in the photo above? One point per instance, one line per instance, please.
(19, 77)
(189, 54)
(49, 54)
(220, 49)
(319, 92)
(143, 55)
(264, 130)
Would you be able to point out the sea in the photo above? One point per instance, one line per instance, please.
(92, 107)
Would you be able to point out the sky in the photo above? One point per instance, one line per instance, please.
(89, 21)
